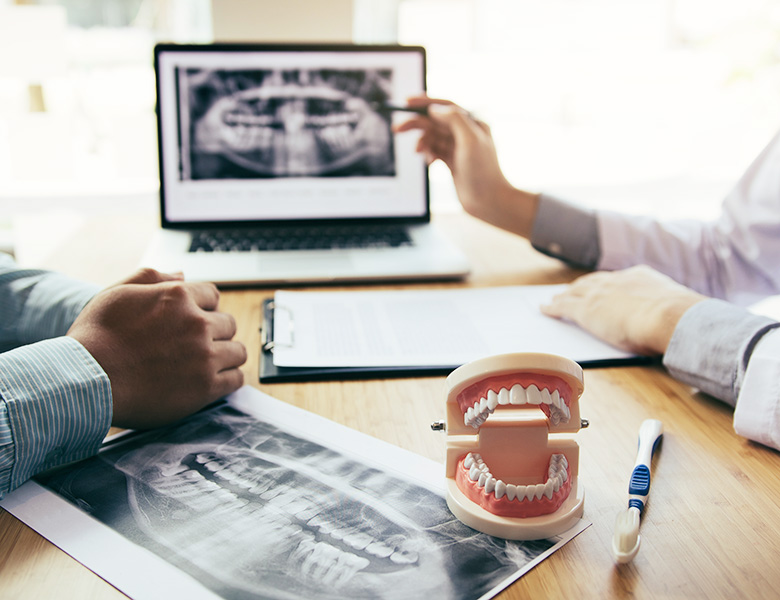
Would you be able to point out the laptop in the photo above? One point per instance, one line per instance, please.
(278, 166)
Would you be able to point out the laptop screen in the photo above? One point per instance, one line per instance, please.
(254, 133)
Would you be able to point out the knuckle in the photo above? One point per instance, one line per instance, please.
(148, 274)
(176, 291)
(213, 290)
(201, 323)
(195, 326)
(207, 357)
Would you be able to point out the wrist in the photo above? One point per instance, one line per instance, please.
(516, 210)
(669, 312)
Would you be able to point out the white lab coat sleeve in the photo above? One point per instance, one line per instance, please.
(757, 414)
(733, 355)
(735, 258)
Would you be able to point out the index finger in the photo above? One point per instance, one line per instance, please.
(416, 122)
(425, 100)
(561, 306)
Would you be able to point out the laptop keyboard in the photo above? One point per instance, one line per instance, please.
(299, 238)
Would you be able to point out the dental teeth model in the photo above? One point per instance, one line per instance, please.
(506, 476)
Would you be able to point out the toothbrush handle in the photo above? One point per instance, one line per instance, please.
(650, 434)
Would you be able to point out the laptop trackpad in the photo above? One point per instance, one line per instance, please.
(324, 263)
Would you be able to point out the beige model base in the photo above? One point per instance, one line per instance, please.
(529, 528)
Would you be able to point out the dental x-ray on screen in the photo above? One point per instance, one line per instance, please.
(285, 122)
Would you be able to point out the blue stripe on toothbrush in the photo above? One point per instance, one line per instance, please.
(640, 481)
(639, 485)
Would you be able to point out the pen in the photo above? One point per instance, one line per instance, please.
(419, 110)
(382, 107)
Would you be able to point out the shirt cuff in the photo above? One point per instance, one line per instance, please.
(567, 232)
(711, 346)
(57, 408)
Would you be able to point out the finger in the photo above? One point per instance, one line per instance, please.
(223, 326)
(424, 149)
(550, 310)
(424, 142)
(146, 275)
(425, 100)
(418, 122)
(594, 277)
(443, 149)
(428, 126)
(205, 295)
(482, 125)
(590, 283)
(562, 306)
(227, 382)
(443, 110)
(177, 276)
(462, 126)
(229, 354)
(437, 146)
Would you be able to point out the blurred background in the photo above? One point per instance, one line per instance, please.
(644, 105)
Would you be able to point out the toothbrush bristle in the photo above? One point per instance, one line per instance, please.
(627, 530)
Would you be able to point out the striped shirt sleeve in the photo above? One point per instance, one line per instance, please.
(55, 400)
(55, 407)
(36, 305)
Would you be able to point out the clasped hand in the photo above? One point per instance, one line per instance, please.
(165, 347)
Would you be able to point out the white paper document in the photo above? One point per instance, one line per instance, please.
(256, 499)
(423, 327)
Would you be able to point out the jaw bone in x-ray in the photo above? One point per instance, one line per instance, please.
(283, 517)
(253, 511)
(290, 123)
(506, 477)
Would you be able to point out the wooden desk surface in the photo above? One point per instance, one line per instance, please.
(710, 530)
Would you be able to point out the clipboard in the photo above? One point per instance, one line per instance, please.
(272, 373)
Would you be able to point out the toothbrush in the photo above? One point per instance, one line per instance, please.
(625, 543)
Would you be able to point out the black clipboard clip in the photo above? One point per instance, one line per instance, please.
(267, 341)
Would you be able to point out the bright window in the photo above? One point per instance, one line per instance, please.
(645, 105)
(86, 65)
(648, 105)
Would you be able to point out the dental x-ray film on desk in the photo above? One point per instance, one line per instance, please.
(278, 164)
